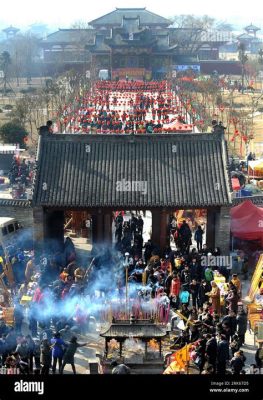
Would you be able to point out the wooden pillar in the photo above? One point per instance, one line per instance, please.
(94, 228)
(108, 227)
(97, 227)
(54, 229)
(39, 227)
(120, 353)
(160, 220)
(164, 221)
(156, 232)
(100, 226)
(106, 347)
(145, 348)
(210, 228)
(160, 348)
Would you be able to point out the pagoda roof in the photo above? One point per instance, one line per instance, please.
(116, 17)
(10, 29)
(71, 36)
(252, 27)
(245, 36)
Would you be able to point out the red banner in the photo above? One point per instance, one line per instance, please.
(130, 72)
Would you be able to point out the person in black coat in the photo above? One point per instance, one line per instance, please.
(199, 237)
(195, 270)
(259, 356)
(241, 326)
(148, 250)
(211, 350)
(204, 288)
(231, 321)
(140, 224)
(194, 289)
(222, 355)
(185, 276)
(201, 351)
(185, 235)
(237, 363)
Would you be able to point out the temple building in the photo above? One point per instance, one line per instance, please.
(133, 43)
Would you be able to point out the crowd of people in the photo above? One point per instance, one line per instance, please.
(20, 176)
(214, 317)
(132, 85)
(108, 110)
(51, 337)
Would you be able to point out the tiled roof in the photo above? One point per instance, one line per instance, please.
(186, 170)
(245, 36)
(14, 203)
(115, 17)
(136, 330)
(71, 36)
(252, 27)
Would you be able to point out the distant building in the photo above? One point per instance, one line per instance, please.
(133, 43)
(248, 38)
(10, 32)
(66, 49)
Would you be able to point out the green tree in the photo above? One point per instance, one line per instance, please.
(13, 132)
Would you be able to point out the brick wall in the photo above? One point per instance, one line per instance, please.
(222, 230)
(24, 215)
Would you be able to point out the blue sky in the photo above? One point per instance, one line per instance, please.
(60, 13)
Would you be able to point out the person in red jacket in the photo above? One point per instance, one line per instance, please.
(175, 290)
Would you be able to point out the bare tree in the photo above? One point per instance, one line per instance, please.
(188, 30)
(243, 58)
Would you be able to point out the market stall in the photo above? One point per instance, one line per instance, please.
(255, 169)
(247, 221)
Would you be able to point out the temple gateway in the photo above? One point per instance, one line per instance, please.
(171, 172)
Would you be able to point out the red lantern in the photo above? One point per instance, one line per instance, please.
(25, 140)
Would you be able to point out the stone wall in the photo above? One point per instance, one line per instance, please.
(20, 210)
(222, 230)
